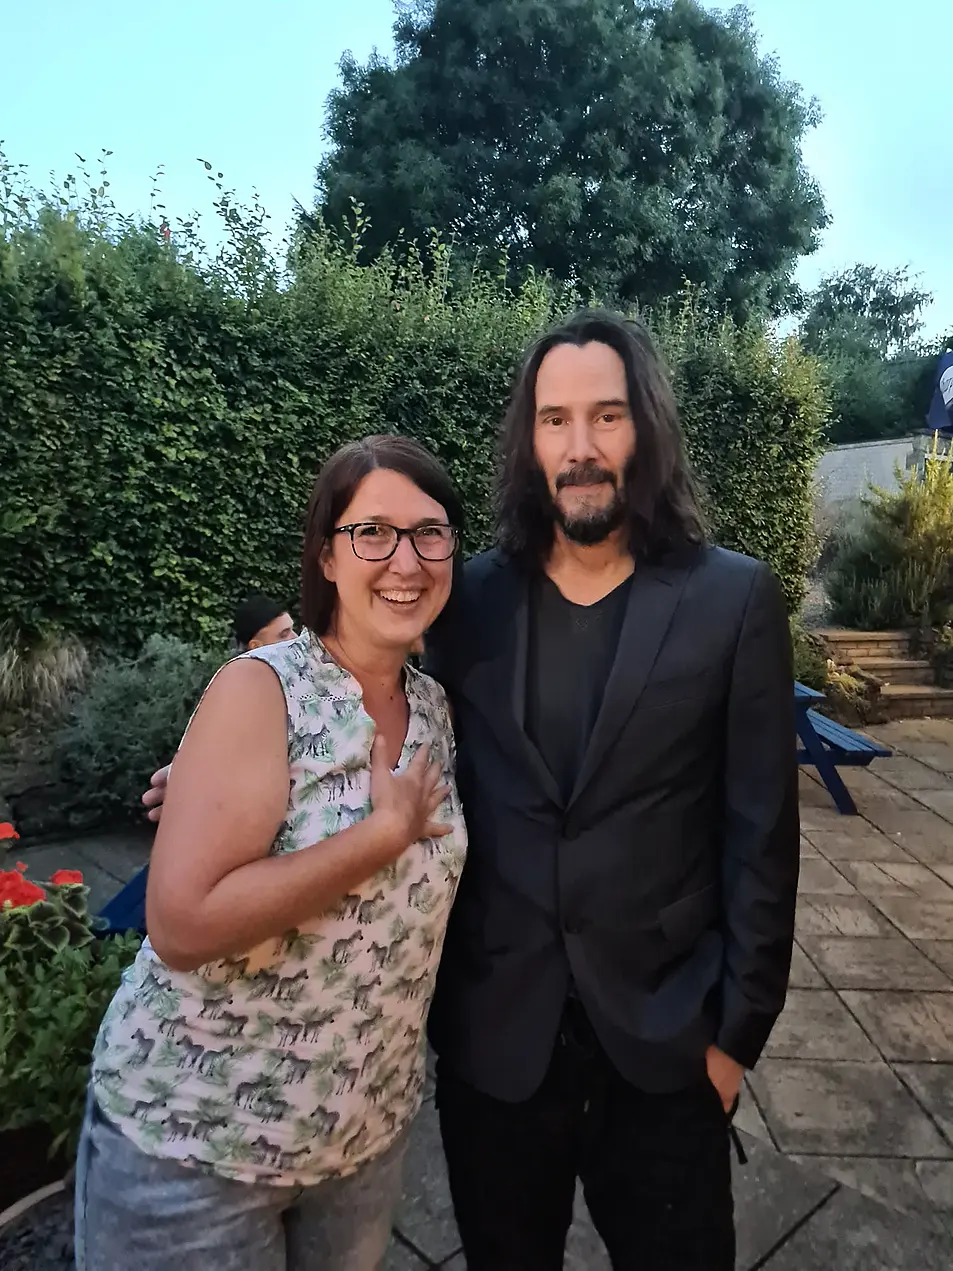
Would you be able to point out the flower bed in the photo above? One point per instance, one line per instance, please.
(56, 979)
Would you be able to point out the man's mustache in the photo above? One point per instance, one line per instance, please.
(585, 474)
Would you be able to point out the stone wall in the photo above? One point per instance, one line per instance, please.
(845, 473)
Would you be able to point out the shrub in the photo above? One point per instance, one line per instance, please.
(810, 658)
(56, 981)
(128, 720)
(39, 680)
(164, 412)
(897, 571)
(754, 412)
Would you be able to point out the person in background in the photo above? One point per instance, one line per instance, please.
(260, 621)
(256, 1074)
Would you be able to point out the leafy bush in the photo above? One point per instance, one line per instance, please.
(56, 981)
(754, 411)
(164, 412)
(128, 720)
(897, 571)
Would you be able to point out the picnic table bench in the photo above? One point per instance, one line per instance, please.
(827, 746)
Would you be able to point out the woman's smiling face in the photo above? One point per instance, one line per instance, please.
(388, 604)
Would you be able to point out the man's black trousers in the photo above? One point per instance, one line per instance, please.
(655, 1168)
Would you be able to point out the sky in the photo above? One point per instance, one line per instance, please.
(243, 85)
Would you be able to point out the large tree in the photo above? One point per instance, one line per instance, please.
(878, 309)
(626, 147)
(865, 325)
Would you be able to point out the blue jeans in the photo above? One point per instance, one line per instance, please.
(135, 1210)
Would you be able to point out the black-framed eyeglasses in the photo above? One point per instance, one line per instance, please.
(372, 540)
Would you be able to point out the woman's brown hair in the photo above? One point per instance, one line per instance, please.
(333, 491)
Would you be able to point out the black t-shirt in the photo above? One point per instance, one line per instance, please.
(571, 651)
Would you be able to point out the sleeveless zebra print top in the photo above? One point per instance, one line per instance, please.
(304, 1058)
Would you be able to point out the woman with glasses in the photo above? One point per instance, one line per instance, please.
(258, 1069)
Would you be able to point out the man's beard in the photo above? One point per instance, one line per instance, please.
(589, 526)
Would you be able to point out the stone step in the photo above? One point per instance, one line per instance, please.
(851, 646)
(898, 670)
(916, 701)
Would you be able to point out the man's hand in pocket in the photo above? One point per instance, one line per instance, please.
(725, 1075)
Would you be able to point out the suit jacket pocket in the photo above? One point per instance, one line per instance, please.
(674, 690)
(684, 921)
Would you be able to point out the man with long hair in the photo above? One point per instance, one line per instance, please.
(621, 943)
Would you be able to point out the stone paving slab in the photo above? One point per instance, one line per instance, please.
(921, 833)
(817, 819)
(859, 962)
(839, 916)
(425, 1216)
(910, 775)
(808, 850)
(852, 1233)
(939, 801)
(120, 855)
(749, 1121)
(815, 1024)
(856, 840)
(917, 918)
(936, 1179)
(804, 974)
(906, 1026)
(897, 878)
(820, 878)
(924, 1188)
(772, 1195)
(400, 1258)
(933, 1086)
(940, 952)
(829, 1108)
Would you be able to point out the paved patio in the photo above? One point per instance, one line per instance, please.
(849, 1117)
(857, 1079)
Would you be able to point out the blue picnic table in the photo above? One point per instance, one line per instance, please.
(127, 909)
(827, 746)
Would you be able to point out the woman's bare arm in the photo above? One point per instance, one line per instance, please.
(213, 889)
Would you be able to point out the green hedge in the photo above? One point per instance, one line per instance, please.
(162, 415)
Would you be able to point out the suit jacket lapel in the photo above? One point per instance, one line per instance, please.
(520, 671)
(498, 684)
(653, 599)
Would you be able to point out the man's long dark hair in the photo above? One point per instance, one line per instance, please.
(662, 512)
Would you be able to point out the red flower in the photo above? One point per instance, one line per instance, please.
(7, 831)
(64, 876)
(17, 890)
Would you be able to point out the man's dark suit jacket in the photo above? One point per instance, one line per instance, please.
(664, 890)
